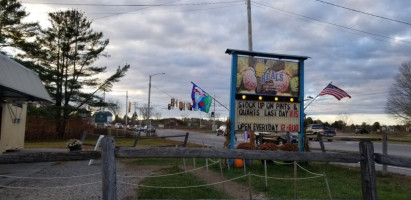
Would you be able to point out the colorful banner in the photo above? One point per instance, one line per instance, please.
(267, 77)
(201, 100)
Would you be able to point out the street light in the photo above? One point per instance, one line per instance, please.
(149, 93)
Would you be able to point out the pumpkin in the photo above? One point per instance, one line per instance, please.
(238, 162)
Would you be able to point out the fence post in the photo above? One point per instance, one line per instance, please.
(137, 139)
(369, 189)
(295, 179)
(249, 186)
(83, 137)
(320, 140)
(185, 140)
(109, 169)
(288, 138)
(384, 151)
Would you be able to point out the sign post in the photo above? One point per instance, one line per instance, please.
(267, 93)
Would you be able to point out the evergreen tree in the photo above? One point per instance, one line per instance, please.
(13, 32)
(64, 56)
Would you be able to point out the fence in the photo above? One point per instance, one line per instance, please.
(366, 157)
(383, 158)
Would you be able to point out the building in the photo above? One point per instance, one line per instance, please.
(18, 85)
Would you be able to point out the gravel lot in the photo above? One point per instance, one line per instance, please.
(88, 184)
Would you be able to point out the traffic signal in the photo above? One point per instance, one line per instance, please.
(180, 105)
(190, 107)
(212, 114)
(172, 101)
(129, 106)
(169, 106)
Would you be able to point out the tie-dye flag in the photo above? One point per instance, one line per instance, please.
(201, 100)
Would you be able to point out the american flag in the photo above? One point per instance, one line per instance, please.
(334, 91)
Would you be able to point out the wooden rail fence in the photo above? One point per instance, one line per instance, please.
(366, 157)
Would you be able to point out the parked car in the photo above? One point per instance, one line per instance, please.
(130, 127)
(149, 129)
(361, 131)
(329, 132)
(314, 129)
(118, 126)
(107, 125)
(278, 138)
(138, 128)
(222, 130)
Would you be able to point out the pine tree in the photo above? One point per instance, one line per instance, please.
(65, 55)
(14, 33)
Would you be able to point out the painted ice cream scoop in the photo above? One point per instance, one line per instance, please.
(294, 84)
(249, 79)
(259, 69)
(282, 81)
(239, 80)
(291, 68)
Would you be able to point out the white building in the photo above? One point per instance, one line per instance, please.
(18, 85)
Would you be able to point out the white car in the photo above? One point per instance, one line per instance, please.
(222, 130)
(118, 126)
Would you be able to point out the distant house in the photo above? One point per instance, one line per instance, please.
(18, 85)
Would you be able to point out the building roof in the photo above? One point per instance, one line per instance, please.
(20, 83)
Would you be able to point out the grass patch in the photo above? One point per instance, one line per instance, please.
(345, 183)
(179, 180)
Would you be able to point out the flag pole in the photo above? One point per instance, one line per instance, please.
(211, 96)
(317, 96)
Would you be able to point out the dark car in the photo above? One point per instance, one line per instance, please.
(329, 132)
(138, 128)
(361, 131)
(149, 129)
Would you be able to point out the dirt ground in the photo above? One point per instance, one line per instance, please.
(233, 189)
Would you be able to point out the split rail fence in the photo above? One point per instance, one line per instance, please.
(109, 152)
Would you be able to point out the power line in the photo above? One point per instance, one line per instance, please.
(366, 13)
(333, 24)
(177, 11)
(133, 5)
(133, 10)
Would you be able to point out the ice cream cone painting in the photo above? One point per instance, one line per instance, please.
(267, 77)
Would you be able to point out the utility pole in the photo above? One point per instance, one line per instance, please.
(214, 128)
(125, 127)
(250, 34)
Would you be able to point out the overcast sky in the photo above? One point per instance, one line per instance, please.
(186, 40)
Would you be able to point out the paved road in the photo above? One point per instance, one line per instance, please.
(218, 141)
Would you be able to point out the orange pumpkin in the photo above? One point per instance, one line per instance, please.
(238, 162)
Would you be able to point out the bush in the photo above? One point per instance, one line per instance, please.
(268, 146)
(74, 144)
(246, 145)
(289, 147)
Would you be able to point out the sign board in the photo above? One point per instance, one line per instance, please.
(103, 117)
(266, 116)
(267, 77)
(266, 92)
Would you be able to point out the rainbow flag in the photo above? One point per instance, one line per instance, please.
(201, 100)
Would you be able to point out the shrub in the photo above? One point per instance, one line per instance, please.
(246, 145)
(74, 144)
(268, 146)
(289, 147)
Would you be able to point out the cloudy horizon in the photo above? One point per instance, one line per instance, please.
(187, 41)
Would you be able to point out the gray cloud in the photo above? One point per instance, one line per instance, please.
(190, 46)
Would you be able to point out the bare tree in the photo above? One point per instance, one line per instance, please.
(114, 106)
(143, 110)
(157, 115)
(399, 100)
